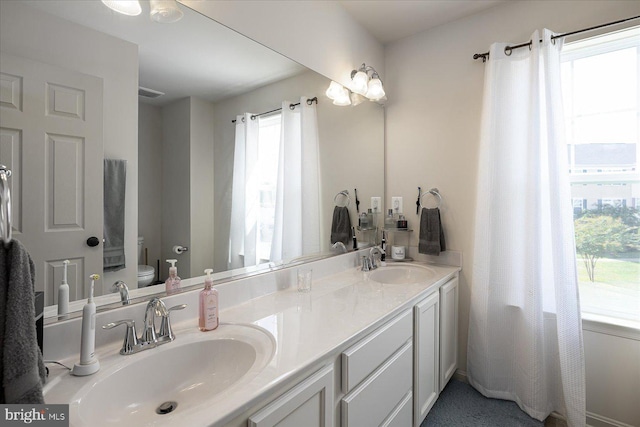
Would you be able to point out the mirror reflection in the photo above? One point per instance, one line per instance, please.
(197, 187)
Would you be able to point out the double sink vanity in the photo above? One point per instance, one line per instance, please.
(360, 349)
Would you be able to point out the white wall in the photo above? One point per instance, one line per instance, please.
(176, 200)
(351, 150)
(64, 44)
(187, 183)
(150, 180)
(613, 378)
(433, 118)
(202, 243)
(320, 35)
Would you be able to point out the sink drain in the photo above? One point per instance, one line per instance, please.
(166, 408)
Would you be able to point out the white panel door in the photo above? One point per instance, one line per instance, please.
(51, 139)
(426, 366)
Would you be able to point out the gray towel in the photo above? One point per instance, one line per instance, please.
(21, 365)
(431, 233)
(115, 176)
(341, 225)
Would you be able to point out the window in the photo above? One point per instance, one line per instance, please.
(600, 79)
(268, 154)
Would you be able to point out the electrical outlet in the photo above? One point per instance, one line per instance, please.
(376, 204)
(396, 205)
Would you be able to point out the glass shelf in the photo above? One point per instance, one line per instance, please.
(395, 230)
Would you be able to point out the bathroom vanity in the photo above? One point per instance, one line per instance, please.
(360, 349)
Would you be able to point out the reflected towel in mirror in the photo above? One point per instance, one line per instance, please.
(341, 225)
(115, 176)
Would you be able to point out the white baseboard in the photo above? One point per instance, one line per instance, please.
(461, 375)
(595, 420)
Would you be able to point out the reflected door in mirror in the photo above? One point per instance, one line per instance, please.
(51, 127)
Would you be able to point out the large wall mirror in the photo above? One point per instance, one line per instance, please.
(81, 62)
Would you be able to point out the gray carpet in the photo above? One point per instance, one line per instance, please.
(460, 405)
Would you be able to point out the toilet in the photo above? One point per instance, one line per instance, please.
(146, 273)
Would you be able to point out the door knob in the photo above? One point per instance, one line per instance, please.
(93, 241)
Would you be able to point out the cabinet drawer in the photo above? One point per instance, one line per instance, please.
(402, 416)
(364, 357)
(310, 403)
(375, 399)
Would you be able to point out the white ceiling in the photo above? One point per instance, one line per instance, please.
(392, 20)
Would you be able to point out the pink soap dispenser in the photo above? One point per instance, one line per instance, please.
(208, 304)
(172, 284)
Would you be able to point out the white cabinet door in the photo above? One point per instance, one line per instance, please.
(308, 404)
(448, 331)
(426, 356)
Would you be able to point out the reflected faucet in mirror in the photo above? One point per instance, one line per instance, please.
(122, 287)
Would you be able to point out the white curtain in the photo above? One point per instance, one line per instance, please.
(297, 218)
(245, 203)
(525, 334)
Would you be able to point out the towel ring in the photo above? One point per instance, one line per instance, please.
(434, 192)
(345, 194)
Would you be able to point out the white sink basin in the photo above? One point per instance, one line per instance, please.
(402, 275)
(182, 374)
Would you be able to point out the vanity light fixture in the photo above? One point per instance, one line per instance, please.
(126, 7)
(165, 11)
(339, 94)
(371, 87)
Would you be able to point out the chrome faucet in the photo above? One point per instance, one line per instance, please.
(124, 292)
(155, 307)
(366, 263)
(372, 256)
(150, 338)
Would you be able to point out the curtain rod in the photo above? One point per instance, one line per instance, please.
(291, 107)
(508, 49)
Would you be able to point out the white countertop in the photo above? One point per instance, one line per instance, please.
(308, 328)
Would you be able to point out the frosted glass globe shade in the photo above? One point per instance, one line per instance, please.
(126, 7)
(334, 90)
(343, 98)
(375, 92)
(165, 11)
(359, 84)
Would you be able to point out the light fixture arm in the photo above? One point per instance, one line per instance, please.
(367, 69)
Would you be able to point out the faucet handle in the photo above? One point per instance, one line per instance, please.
(166, 334)
(130, 343)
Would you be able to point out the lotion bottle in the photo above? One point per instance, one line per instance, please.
(172, 283)
(208, 306)
(88, 363)
(63, 293)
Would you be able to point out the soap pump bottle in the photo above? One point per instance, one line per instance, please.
(208, 306)
(389, 220)
(88, 363)
(172, 284)
(63, 293)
